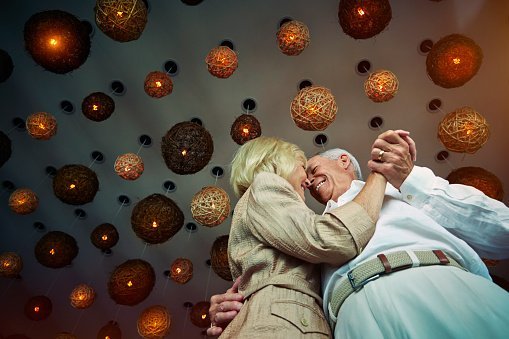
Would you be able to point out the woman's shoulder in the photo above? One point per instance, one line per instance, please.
(268, 179)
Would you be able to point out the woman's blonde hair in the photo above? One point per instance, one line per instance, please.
(263, 154)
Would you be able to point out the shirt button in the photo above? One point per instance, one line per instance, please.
(304, 322)
(409, 197)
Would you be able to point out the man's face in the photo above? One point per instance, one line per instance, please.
(328, 178)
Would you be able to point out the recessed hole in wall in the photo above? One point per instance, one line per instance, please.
(97, 157)
(145, 140)
(425, 46)
(169, 186)
(117, 87)
(217, 172)
(171, 67)
(188, 304)
(442, 155)
(434, 105)
(363, 67)
(197, 121)
(249, 105)
(376, 123)
(19, 123)
(39, 226)
(192, 2)
(80, 213)
(124, 200)
(191, 227)
(8, 185)
(227, 43)
(147, 4)
(285, 20)
(208, 263)
(66, 106)
(167, 273)
(50, 171)
(320, 140)
(305, 83)
(89, 27)
(107, 252)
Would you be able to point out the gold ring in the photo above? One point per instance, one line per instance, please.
(380, 155)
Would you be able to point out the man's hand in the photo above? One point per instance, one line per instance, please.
(393, 154)
(223, 308)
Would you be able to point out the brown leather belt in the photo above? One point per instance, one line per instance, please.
(376, 267)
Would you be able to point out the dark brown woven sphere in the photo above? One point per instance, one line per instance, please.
(104, 236)
(57, 41)
(181, 270)
(364, 19)
(453, 61)
(219, 258)
(121, 20)
(479, 178)
(56, 249)
(187, 148)
(38, 307)
(5, 148)
(98, 106)
(156, 218)
(111, 330)
(6, 65)
(131, 282)
(200, 314)
(11, 265)
(75, 184)
(245, 128)
(158, 84)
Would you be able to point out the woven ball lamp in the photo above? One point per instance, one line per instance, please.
(5, 148)
(57, 41)
(222, 61)
(158, 84)
(121, 20)
(479, 178)
(104, 236)
(154, 322)
(6, 65)
(65, 335)
(200, 314)
(210, 206)
(23, 201)
(314, 108)
(129, 166)
(181, 270)
(75, 184)
(463, 130)
(246, 127)
(97, 106)
(453, 61)
(293, 37)
(381, 86)
(219, 258)
(110, 331)
(187, 148)
(156, 218)
(82, 296)
(41, 125)
(38, 307)
(56, 249)
(131, 282)
(363, 19)
(11, 265)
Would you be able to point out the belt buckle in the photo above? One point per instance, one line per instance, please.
(361, 284)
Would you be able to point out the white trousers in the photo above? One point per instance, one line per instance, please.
(426, 302)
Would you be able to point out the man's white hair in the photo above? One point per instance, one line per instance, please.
(335, 153)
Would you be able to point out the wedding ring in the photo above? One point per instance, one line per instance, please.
(380, 155)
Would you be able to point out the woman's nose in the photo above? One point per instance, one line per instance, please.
(308, 182)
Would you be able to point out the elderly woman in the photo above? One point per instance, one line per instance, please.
(276, 240)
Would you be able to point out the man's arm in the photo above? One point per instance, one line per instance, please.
(223, 308)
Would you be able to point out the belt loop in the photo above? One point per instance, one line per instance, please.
(385, 262)
(441, 257)
(415, 261)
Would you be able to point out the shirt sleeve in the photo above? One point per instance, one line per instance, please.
(463, 210)
(279, 218)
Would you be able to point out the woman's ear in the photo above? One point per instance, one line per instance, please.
(344, 161)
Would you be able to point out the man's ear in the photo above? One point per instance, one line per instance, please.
(344, 161)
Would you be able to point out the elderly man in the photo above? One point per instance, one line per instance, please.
(420, 275)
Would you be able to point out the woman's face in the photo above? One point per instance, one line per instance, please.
(298, 180)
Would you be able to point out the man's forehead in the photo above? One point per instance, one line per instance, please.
(313, 161)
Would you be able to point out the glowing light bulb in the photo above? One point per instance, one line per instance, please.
(21, 201)
(42, 126)
(71, 186)
(104, 237)
(120, 14)
(129, 283)
(95, 107)
(213, 206)
(184, 152)
(291, 36)
(53, 42)
(158, 84)
(456, 61)
(154, 224)
(127, 169)
(360, 11)
(203, 316)
(245, 130)
(178, 270)
(107, 337)
(37, 309)
(81, 297)
(6, 264)
(52, 251)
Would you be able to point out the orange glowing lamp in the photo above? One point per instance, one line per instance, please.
(456, 61)
(95, 107)
(184, 152)
(36, 309)
(72, 186)
(360, 11)
(130, 283)
(52, 251)
(154, 224)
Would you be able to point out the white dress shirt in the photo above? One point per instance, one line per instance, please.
(427, 214)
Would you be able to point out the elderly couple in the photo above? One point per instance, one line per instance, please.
(398, 260)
